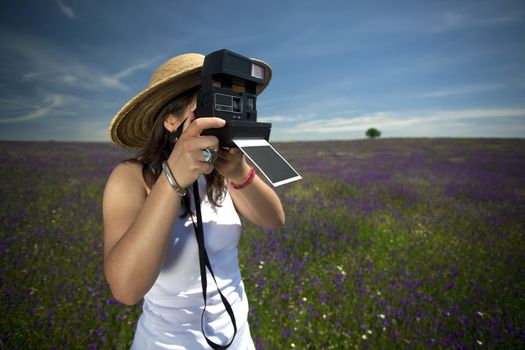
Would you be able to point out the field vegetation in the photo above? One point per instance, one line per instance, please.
(389, 244)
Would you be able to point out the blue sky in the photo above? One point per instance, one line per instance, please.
(409, 68)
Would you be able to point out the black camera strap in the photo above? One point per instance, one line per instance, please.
(204, 262)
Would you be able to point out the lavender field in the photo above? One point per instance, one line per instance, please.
(389, 244)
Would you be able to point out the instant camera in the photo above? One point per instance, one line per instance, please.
(228, 91)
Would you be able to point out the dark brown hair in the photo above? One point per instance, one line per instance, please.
(159, 147)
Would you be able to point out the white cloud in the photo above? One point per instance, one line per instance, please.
(58, 85)
(66, 10)
(129, 71)
(46, 64)
(50, 105)
(462, 90)
(401, 121)
(91, 129)
(454, 20)
(451, 21)
(74, 74)
(437, 22)
(279, 118)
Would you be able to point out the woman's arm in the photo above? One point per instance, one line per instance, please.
(136, 230)
(137, 225)
(257, 202)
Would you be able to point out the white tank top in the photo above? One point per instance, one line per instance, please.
(172, 309)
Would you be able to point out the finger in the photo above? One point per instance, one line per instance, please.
(223, 154)
(208, 156)
(198, 125)
(200, 143)
(207, 168)
(202, 166)
(221, 161)
(210, 142)
(234, 150)
(229, 156)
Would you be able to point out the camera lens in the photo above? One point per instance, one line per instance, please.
(237, 105)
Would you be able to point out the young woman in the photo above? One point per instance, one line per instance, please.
(150, 247)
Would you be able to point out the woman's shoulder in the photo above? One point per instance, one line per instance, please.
(128, 175)
(128, 168)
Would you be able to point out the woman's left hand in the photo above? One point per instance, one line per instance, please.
(257, 202)
(231, 164)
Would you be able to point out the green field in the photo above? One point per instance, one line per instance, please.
(389, 244)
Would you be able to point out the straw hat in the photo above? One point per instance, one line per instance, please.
(132, 125)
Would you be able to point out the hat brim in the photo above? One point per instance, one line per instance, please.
(132, 124)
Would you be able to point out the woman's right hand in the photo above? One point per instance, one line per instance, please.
(186, 161)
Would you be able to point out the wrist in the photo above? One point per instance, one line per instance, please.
(172, 181)
(240, 174)
(246, 181)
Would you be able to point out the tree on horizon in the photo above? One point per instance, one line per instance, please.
(372, 133)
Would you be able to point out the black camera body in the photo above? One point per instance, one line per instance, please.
(228, 91)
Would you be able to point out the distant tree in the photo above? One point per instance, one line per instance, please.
(372, 133)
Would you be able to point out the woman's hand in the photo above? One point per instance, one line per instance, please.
(257, 202)
(186, 161)
(231, 164)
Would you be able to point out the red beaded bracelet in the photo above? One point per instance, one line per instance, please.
(246, 181)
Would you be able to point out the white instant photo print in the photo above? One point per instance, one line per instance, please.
(271, 164)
